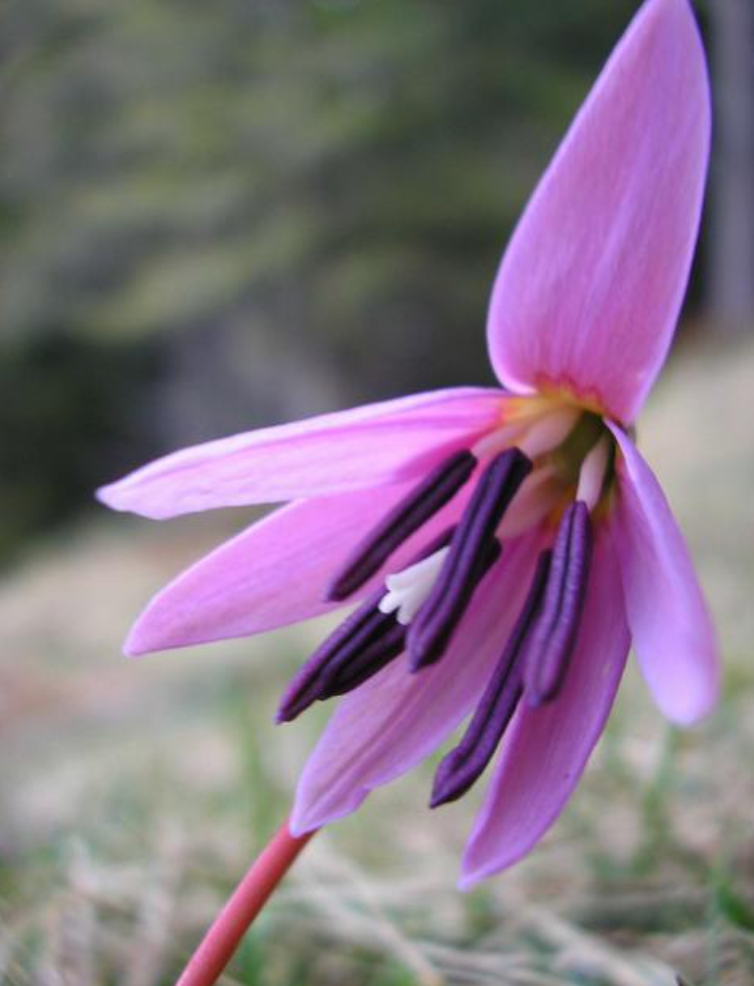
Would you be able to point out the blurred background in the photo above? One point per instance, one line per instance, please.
(219, 216)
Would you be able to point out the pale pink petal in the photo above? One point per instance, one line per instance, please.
(673, 634)
(548, 747)
(376, 443)
(397, 719)
(275, 572)
(589, 290)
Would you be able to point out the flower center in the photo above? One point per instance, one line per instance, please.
(548, 467)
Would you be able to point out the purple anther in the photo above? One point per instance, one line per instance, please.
(358, 648)
(402, 521)
(365, 625)
(460, 768)
(550, 643)
(367, 663)
(461, 572)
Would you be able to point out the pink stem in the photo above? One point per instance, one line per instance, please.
(248, 899)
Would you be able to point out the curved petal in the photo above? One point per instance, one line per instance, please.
(548, 747)
(395, 720)
(376, 443)
(673, 634)
(589, 290)
(275, 572)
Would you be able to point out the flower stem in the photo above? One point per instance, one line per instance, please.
(248, 899)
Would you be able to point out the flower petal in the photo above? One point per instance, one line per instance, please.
(548, 747)
(589, 290)
(275, 572)
(673, 634)
(397, 718)
(376, 443)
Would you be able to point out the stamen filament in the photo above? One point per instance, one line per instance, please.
(497, 441)
(401, 522)
(548, 432)
(539, 494)
(592, 474)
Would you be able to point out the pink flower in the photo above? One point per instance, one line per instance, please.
(524, 539)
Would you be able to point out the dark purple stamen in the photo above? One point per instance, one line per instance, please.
(360, 660)
(461, 572)
(460, 768)
(402, 521)
(367, 662)
(364, 626)
(550, 643)
(358, 648)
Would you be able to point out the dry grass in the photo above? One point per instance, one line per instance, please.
(135, 792)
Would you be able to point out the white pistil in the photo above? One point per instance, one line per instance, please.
(409, 589)
(548, 432)
(592, 474)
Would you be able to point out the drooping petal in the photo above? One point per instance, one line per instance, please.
(275, 572)
(673, 634)
(547, 747)
(397, 718)
(589, 290)
(376, 443)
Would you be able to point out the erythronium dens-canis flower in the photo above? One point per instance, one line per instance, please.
(516, 541)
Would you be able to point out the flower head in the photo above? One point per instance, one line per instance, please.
(506, 545)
